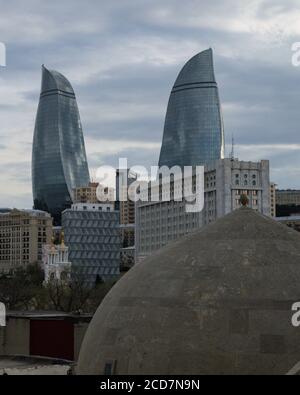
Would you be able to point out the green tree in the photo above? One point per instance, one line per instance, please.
(20, 288)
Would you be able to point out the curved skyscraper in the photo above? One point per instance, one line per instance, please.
(193, 133)
(59, 161)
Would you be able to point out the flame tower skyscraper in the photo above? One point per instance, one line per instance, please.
(59, 162)
(193, 133)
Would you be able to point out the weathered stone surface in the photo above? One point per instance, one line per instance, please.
(217, 301)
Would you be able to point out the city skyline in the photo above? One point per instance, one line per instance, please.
(150, 190)
(122, 61)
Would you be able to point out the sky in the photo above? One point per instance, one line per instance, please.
(122, 58)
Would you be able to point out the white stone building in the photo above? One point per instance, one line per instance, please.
(56, 263)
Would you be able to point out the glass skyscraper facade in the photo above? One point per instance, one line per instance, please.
(59, 161)
(193, 133)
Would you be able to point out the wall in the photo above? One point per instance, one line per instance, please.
(79, 332)
(52, 338)
(15, 337)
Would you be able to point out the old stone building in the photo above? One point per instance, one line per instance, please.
(22, 235)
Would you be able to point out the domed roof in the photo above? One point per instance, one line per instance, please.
(217, 301)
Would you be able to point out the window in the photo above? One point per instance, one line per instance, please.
(109, 368)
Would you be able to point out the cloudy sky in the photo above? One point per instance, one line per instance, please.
(122, 58)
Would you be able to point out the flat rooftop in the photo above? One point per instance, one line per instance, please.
(49, 315)
(290, 218)
(22, 365)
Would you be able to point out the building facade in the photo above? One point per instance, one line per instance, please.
(273, 199)
(90, 194)
(287, 202)
(59, 161)
(225, 181)
(288, 196)
(193, 132)
(93, 237)
(22, 235)
(125, 178)
(86, 194)
(56, 263)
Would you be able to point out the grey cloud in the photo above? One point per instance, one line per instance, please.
(20, 200)
(136, 157)
(19, 171)
(122, 58)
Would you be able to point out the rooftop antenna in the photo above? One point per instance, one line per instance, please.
(232, 149)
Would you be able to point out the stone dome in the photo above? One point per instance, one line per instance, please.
(217, 301)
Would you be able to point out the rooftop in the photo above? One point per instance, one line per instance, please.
(289, 218)
(22, 365)
(34, 213)
(49, 315)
